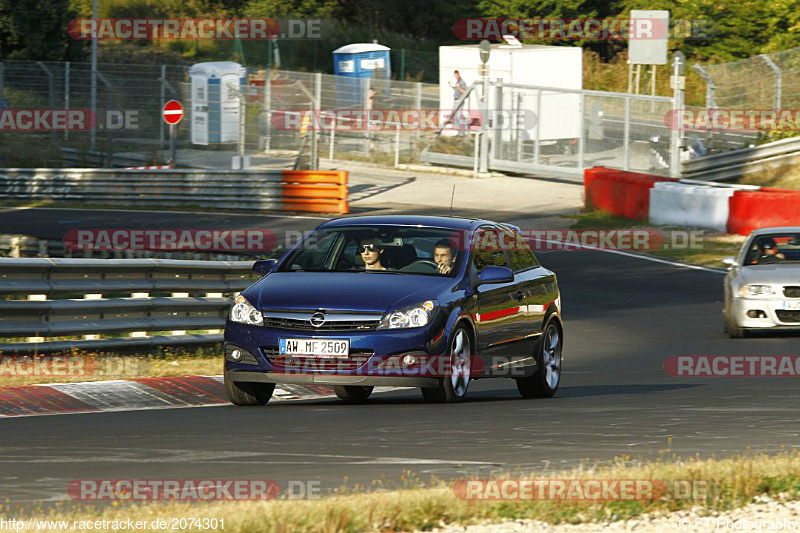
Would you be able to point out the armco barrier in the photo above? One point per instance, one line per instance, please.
(750, 210)
(698, 206)
(619, 192)
(175, 302)
(319, 191)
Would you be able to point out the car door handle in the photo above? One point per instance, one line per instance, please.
(520, 295)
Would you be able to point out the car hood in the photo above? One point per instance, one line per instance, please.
(779, 274)
(360, 291)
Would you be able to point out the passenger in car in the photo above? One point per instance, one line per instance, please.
(371, 254)
(443, 256)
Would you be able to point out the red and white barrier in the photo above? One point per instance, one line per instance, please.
(696, 206)
(732, 208)
(158, 167)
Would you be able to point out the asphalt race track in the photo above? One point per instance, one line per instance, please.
(623, 317)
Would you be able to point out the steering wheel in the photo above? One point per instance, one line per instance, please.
(426, 262)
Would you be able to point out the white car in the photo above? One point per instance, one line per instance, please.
(762, 286)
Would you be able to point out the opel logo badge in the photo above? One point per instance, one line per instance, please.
(317, 319)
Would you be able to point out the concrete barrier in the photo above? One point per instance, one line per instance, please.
(697, 206)
(619, 192)
(751, 210)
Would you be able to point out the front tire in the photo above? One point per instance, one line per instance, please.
(453, 388)
(733, 331)
(245, 393)
(352, 393)
(544, 382)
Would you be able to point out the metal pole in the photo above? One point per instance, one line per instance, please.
(397, 146)
(484, 155)
(268, 108)
(778, 81)
(626, 136)
(66, 95)
(498, 129)
(418, 103)
(333, 139)
(582, 138)
(172, 150)
(51, 89)
(2, 78)
(161, 103)
(93, 77)
(242, 125)
(315, 120)
(677, 106)
(710, 86)
(402, 64)
(536, 140)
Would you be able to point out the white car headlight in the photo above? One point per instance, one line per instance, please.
(244, 313)
(756, 290)
(413, 316)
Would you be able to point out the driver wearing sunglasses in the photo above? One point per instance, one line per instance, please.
(370, 253)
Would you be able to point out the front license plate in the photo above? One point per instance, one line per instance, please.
(315, 347)
(791, 305)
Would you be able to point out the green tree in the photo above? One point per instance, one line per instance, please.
(37, 30)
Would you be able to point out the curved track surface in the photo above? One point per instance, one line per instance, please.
(624, 316)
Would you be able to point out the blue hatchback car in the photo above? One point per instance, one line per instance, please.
(417, 301)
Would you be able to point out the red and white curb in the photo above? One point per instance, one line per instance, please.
(157, 167)
(132, 395)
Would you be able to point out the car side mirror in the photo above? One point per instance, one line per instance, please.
(495, 274)
(264, 266)
(730, 261)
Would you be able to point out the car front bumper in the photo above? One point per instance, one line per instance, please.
(764, 313)
(376, 357)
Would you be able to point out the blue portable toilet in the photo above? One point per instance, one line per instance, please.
(354, 62)
(215, 101)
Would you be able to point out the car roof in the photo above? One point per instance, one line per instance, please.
(407, 220)
(779, 229)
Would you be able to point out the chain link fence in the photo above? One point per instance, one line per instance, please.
(766, 81)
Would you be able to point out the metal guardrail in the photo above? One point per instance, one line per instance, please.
(121, 300)
(320, 191)
(736, 163)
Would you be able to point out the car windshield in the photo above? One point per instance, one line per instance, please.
(772, 249)
(376, 249)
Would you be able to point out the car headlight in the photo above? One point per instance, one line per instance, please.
(756, 290)
(413, 316)
(244, 313)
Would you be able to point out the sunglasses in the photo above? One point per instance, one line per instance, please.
(367, 248)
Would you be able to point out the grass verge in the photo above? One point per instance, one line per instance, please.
(734, 482)
(92, 366)
(688, 245)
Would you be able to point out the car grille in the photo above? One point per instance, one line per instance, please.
(788, 316)
(791, 291)
(305, 325)
(357, 359)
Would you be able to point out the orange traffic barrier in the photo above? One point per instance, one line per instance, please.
(320, 191)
